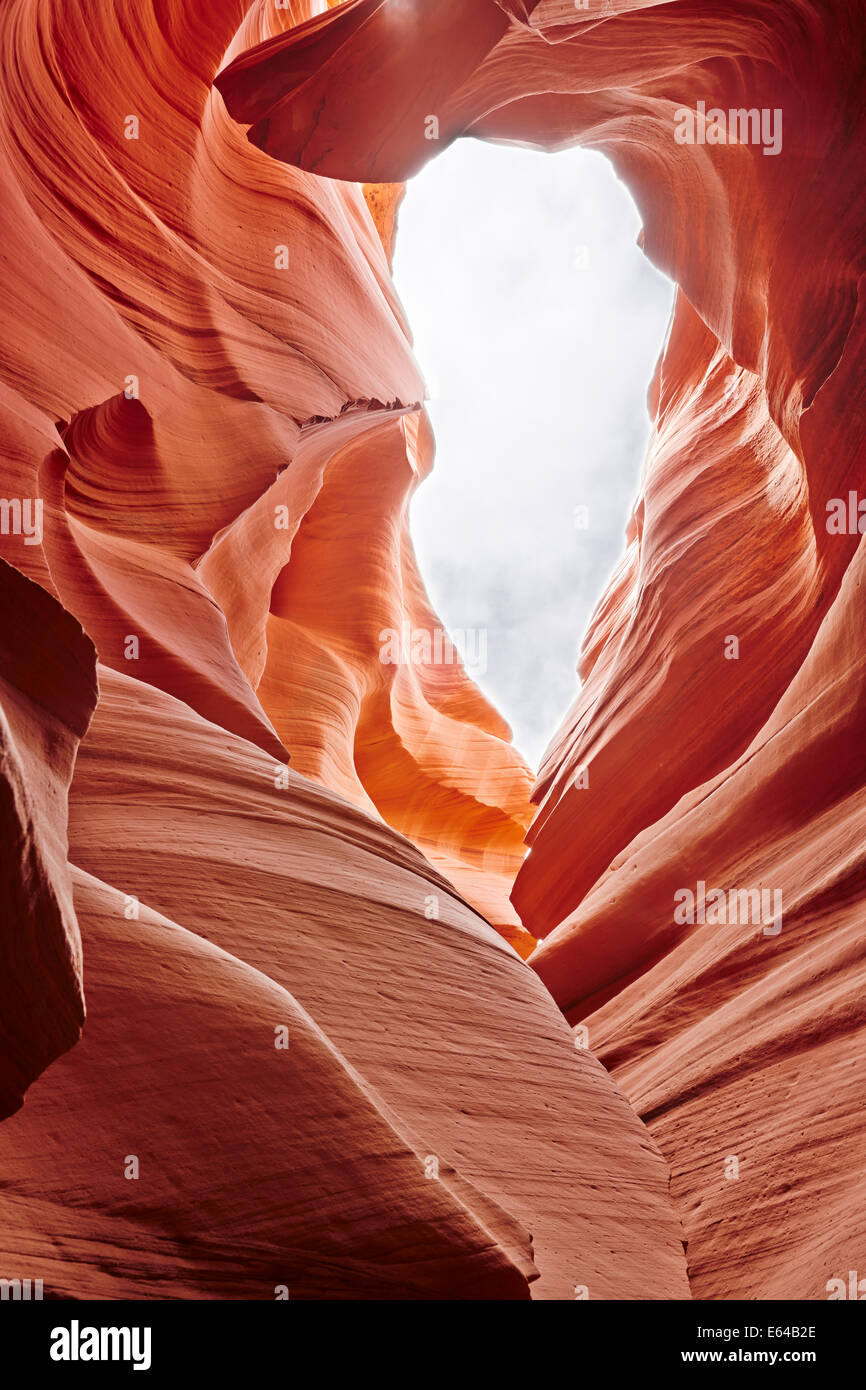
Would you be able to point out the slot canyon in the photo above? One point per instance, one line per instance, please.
(308, 982)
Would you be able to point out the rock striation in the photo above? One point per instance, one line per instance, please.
(714, 740)
(273, 885)
(267, 900)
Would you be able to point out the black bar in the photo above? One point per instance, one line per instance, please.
(578, 1339)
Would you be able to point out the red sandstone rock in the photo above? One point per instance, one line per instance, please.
(327, 909)
(206, 376)
(734, 1039)
(696, 767)
(258, 1168)
(159, 359)
(47, 694)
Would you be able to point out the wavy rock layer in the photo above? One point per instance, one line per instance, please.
(222, 1209)
(47, 695)
(687, 759)
(238, 315)
(207, 381)
(307, 1165)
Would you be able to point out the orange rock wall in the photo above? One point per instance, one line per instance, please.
(206, 379)
(307, 1060)
(685, 760)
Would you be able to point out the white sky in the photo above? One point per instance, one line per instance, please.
(538, 371)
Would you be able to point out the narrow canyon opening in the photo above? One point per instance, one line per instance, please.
(537, 322)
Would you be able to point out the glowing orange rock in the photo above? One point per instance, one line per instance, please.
(716, 736)
(207, 379)
(232, 902)
(179, 334)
